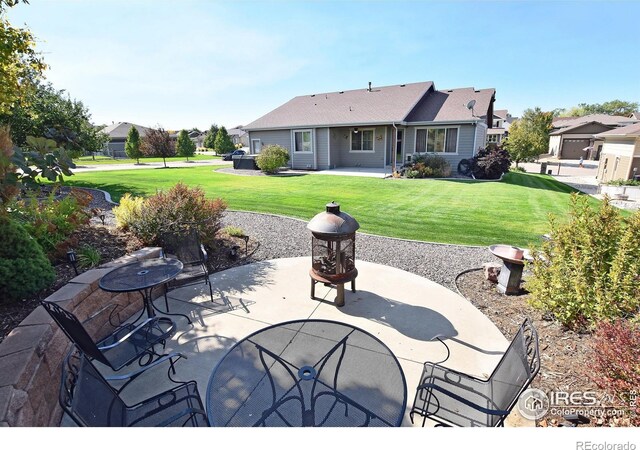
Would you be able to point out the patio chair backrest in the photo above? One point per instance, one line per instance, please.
(86, 396)
(74, 330)
(184, 245)
(515, 371)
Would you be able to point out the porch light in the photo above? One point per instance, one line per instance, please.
(355, 130)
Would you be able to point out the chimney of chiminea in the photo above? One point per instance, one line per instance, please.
(369, 87)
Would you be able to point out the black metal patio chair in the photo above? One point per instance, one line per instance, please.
(453, 398)
(90, 401)
(185, 245)
(128, 343)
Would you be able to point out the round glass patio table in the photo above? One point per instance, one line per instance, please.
(142, 276)
(301, 373)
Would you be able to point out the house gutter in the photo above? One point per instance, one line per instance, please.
(364, 124)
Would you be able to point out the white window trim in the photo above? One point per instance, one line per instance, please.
(293, 141)
(252, 147)
(415, 140)
(360, 130)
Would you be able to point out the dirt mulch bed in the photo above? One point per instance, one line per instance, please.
(564, 355)
(112, 244)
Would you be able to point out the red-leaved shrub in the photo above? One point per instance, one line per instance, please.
(616, 362)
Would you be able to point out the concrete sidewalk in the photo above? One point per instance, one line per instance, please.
(403, 310)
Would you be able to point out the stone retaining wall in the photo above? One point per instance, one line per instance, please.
(31, 355)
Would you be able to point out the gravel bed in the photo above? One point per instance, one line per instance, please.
(281, 237)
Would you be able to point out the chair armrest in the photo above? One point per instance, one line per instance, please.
(492, 412)
(126, 376)
(205, 256)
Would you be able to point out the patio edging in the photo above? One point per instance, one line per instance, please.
(31, 355)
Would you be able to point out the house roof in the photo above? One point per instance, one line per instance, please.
(576, 127)
(629, 130)
(635, 115)
(502, 113)
(604, 119)
(496, 131)
(236, 132)
(451, 105)
(120, 130)
(360, 106)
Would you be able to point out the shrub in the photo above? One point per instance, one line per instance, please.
(616, 366)
(590, 268)
(52, 221)
(234, 231)
(272, 158)
(428, 166)
(24, 268)
(128, 211)
(623, 183)
(88, 257)
(176, 208)
(490, 163)
(518, 169)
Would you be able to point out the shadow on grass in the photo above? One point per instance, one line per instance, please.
(528, 180)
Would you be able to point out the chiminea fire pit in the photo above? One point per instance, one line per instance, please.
(333, 250)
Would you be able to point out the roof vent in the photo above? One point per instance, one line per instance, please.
(313, 95)
(369, 89)
(402, 85)
(341, 92)
(476, 90)
(449, 90)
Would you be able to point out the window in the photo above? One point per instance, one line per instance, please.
(362, 141)
(302, 141)
(437, 140)
(492, 138)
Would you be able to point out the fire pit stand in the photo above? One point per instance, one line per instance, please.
(333, 250)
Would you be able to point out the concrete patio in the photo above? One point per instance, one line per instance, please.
(403, 310)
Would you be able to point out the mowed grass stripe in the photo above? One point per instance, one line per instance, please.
(514, 211)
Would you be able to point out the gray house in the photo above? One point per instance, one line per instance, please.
(117, 137)
(377, 126)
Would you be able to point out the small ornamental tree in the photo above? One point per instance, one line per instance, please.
(210, 139)
(132, 144)
(184, 145)
(223, 143)
(272, 158)
(490, 163)
(157, 142)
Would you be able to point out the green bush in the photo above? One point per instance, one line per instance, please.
(490, 163)
(128, 211)
(175, 209)
(52, 220)
(623, 183)
(234, 231)
(88, 257)
(590, 268)
(24, 268)
(272, 158)
(428, 166)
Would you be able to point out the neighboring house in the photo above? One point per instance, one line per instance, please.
(502, 120)
(635, 115)
(117, 136)
(573, 137)
(620, 158)
(377, 126)
(239, 136)
(197, 137)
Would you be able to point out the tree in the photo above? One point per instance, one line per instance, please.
(529, 136)
(210, 138)
(132, 144)
(157, 142)
(20, 65)
(613, 108)
(45, 111)
(185, 146)
(223, 143)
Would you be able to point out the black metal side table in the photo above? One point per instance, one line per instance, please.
(143, 276)
(308, 373)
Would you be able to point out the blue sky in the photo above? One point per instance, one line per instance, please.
(182, 64)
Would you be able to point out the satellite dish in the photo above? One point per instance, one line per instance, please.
(471, 104)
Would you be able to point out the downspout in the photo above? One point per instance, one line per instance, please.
(475, 137)
(394, 155)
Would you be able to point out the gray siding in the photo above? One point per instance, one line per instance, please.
(277, 137)
(322, 148)
(465, 143)
(342, 156)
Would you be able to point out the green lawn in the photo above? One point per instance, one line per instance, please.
(513, 211)
(89, 161)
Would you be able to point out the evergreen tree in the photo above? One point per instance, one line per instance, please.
(223, 143)
(210, 138)
(184, 145)
(132, 144)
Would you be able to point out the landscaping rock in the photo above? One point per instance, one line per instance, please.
(491, 271)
